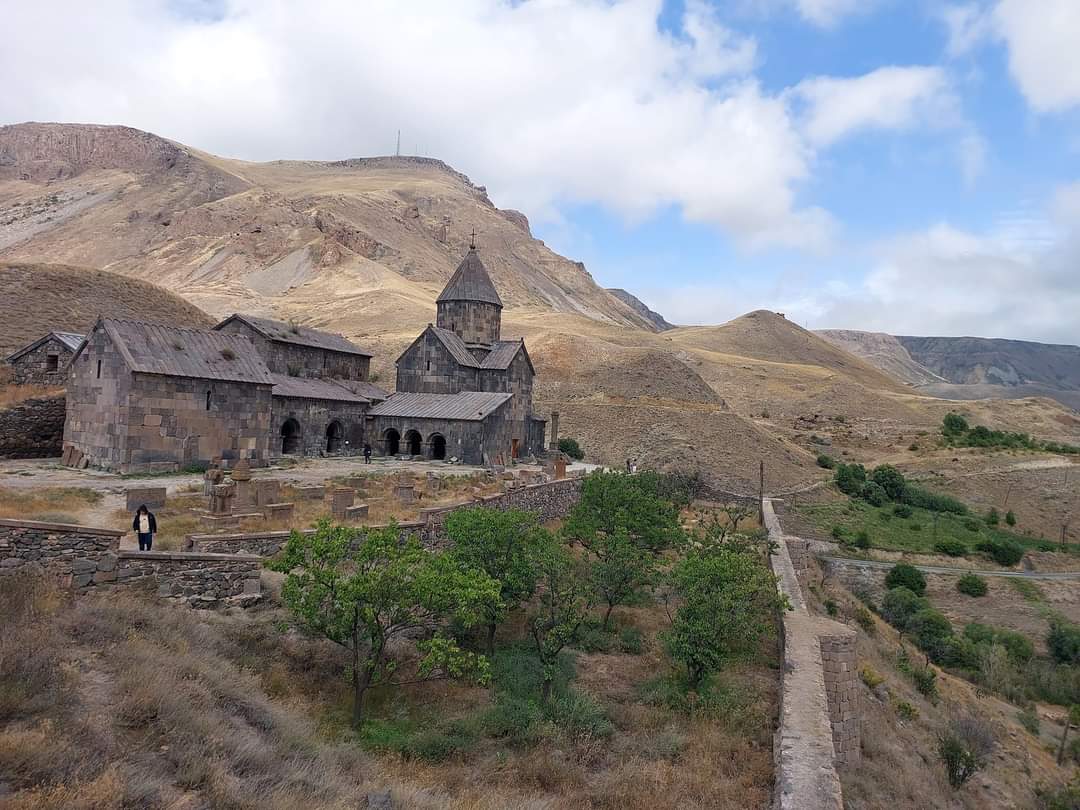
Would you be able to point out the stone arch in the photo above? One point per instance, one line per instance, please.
(414, 444)
(335, 437)
(291, 438)
(438, 446)
(391, 442)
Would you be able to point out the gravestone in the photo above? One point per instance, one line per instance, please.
(221, 499)
(340, 500)
(278, 511)
(434, 483)
(405, 492)
(211, 478)
(241, 476)
(310, 493)
(153, 497)
(267, 491)
(356, 512)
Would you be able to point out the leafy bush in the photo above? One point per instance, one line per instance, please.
(1063, 640)
(932, 501)
(1006, 553)
(1018, 646)
(838, 533)
(930, 628)
(1010, 518)
(905, 711)
(907, 576)
(951, 547)
(902, 510)
(972, 525)
(959, 652)
(992, 517)
(571, 448)
(925, 682)
(870, 676)
(850, 478)
(514, 718)
(862, 540)
(954, 425)
(631, 640)
(971, 585)
(826, 461)
(581, 716)
(831, 607)
(900, 604)
(965, 748)
(873, 494)
(865, 619)
(891, 481)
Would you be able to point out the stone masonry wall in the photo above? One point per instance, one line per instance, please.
(78, 556)
(33, 428)
(43, 365)
(839, 659)
(200, 580)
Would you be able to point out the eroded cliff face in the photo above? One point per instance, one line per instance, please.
(884, 351)
(658, 321)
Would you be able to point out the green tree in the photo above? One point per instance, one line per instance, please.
(725, 598)
(1063, 640)
(972, 585)
(899, 605)
(505, 546)
(571, 448)
(850, 478)
(992, 517)
(1010, 518)
(612, 503)
(619, 569)
(362, 590)
(965, 748)
(889, 479)
(564, 604)
(954, 425)
(907, 576)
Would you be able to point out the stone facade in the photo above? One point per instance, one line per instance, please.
(317, 427)
(199, 580)
(477, 322)
(77, 556)
(840, 662)
(295, 359)
(44, 362)
(33, 428)
(472, 442)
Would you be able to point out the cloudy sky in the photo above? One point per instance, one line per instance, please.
(900, 165)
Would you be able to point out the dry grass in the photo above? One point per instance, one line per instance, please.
(12, 394)
(55, 505)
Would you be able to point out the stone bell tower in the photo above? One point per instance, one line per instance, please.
(470, 306)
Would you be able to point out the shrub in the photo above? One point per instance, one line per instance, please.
(906, 576)
(965, 748)
(902, 510)
(916, 496)
(1010, 518)
(631, 640)
(925, 682)
(1063, 640)
(830, 607)
(951, 547)
(954, 425)
(870, 676)
(959, 652)
(838, 533)
(873, 494)
(915, 527)
(971, 585)
(930, 628)
(1029, 719)
(992, 517)
(972, 525)
(826, 461)
(862, 540)
(850, 478)
(900, 604)
(891, 481)
(905, 711)
(1006, 553)
(514, 718)
(571, 448)
(865, 619)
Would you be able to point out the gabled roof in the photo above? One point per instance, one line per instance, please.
(456, 346)
(69, 339)
(470, 282)
(502, 354)
(309, 388)
(365, 389)
(150, 348)
(281, 332)
(469, 406)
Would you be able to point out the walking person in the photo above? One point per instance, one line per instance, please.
(145, 525)
(628, 466)
(367, 453)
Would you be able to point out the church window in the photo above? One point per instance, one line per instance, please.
(99, 369)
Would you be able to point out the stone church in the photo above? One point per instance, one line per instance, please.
(144, 397)
(462, 391)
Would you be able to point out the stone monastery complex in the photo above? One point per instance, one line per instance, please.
(145, 397)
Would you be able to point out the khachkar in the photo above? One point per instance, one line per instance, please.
(241, 476)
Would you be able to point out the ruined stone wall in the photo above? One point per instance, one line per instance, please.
(314, 417)
(840, 662)
(78, 556)
(33, 428)
(199, 580)
(267, 544)
(44, 365)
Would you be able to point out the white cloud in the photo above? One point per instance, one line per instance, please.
(968, 25)
(887, 98)
(972, 151)
(1044, 57)
(827, 13)
(546, 102)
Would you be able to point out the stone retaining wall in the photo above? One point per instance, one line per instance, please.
(264, 544)
(819, 696)
(83, 558)
(33, 428)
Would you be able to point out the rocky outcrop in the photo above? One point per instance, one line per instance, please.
(884, 351)
(655, 318)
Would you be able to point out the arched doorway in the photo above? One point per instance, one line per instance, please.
(290, 438)
(335, 434)
(438, 446)
(413, 443)
(392, 442)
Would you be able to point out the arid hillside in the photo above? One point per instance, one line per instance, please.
(362, 247)
(40, 298)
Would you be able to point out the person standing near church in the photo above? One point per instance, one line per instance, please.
(145, 525)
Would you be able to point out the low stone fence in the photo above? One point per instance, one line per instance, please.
(819, 695)
(33, 428)
(85, 558)
(550, 500)
(200, 580)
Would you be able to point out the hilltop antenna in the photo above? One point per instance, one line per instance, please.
(397, 152)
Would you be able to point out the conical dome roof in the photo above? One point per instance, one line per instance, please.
(470, 282)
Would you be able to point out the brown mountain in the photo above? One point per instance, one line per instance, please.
(653, 317)
(363, 247)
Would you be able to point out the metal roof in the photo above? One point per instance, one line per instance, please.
(309, 388)
(69, 339)
(502, 354)
(470, 406)
(282, 332)
(155, 349)
(456, 346)
(470, 282)
(365, 389)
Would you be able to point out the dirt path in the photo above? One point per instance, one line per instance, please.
(944, 569)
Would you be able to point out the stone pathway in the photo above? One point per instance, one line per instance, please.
(944, 569)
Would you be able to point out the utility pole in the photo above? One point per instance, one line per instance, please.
(397, 151)
(761, 494)
(1064, 529)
